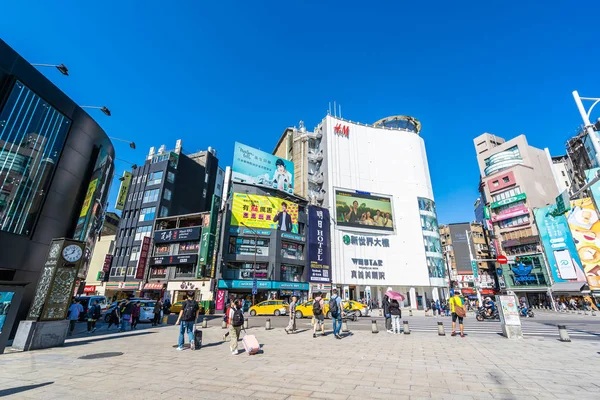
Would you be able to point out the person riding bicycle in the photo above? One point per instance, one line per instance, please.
(489, 305)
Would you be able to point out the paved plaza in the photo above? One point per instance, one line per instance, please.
(361, 366)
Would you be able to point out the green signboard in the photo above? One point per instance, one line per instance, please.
(475, 269)
(563, 203)
(207, 242)
(509, 200)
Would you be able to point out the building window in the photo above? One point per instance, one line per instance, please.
(242, 245)
(162, 249)
(129, 196)
(127, 250)
(142, 232)
(147, 214)
(506, 179)
(135, 253)
(184, 271)
(155, 178)
(292, 251)
(140, 195)
(566, 184)
(151, 195)
(32, 134)
(167, 194)
(143, 178)
(164, 211)
(131, 232)
(495, 183)
(505, 195)
(158, 273)
(244, 271)
(131, 271)
(188, 247)
(507, 223)
(291, 273)
(170, 177)
(204, 193)
(563, 173)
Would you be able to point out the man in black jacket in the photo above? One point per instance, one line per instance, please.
(386, 313)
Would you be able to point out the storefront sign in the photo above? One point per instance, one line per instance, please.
(177, 235)
(365, 265)
(141, 267)
(89, 289)
(220, 303)
(509, 310)
(123, 189)
(352, 240)
(510, 213)
(107, 262)
(122, 285)
(319, 245)
(234, 230)
(293, 237)
(174, 260)
(509, 200)
(207, 244)
(153, 286)
(261, 285)
(342, 130)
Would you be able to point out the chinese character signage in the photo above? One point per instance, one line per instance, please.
(264, 212)
(585, 228)
(177, 235)
(263, 169)
(123, 189)
(366, 258)
(207, 244)
(363, 210)
(141, 267)
(174, 260)
(319, 245)
(559, 246)
(107, 262)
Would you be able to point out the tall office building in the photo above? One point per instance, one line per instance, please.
(169, 183)
(515, 179)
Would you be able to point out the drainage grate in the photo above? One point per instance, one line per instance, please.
(101, 355)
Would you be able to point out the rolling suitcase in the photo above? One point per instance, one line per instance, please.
(197, 339)
(250, 344)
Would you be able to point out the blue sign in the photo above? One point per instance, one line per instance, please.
(319, 245)
(290, 285)
(558, 245)
(292, 236)
(261, 232)
(260, 285)
(522, 272)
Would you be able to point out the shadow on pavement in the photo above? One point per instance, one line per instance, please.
(19, 389)
(93, 339)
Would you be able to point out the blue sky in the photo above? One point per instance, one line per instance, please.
(212, 73)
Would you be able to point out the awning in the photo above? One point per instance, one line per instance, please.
(571, 287)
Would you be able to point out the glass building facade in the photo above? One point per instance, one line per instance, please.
(32, 134)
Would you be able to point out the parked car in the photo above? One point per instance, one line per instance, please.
(270, 307)
(361, 309)
(146, 309)
(176, 307)
(85, 301)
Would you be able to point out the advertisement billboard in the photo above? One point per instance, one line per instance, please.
(367, 258)
(123, 189)
(319, 245)
(585, 228)
(264, 212)
(460, 245)
(256, 167)
(363, 210)
(558, 246)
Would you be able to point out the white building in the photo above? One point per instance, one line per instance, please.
(383, 168)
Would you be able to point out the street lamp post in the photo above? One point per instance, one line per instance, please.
(253, 265)
(131, 144)
(62, 68)
(104, 109)
(585, 116)
(474, 267)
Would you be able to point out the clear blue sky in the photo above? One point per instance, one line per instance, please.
(215, 72)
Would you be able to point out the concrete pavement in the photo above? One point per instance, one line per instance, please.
(362, 366)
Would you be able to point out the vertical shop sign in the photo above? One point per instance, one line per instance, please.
(319, 245)
(141, 267)
(122, 197)
(207, 244)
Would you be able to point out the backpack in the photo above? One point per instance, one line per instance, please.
(238, 318)
(317, 308)
(97, 312)
(333, 306)
(189, 312)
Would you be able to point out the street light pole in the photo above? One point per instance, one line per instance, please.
(104, 109)
(131, 144)
(474, 267)
(254, 264)
(585, 116)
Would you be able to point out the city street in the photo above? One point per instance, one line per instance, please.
(145, 364)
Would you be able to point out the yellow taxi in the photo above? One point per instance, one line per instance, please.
(176, 307)
(306, 309)
(270, 307)
(361, 309)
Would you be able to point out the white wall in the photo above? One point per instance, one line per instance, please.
(387, 162)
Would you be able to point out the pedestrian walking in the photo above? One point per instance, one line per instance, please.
(396, 315)
(292, 324)
(115, 316)
(236, 320)
(337, 312)
(227, 319)
(126, 312)
(386, 312)
(93, 315)
(75, 311)
(318, 306)
(186, 320)
(135, 315)
(157, 313)
(458, 313)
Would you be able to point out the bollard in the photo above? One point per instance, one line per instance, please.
(406, 329)
(585, 312)
(593, 313)
(441, 329)
(345, 326)
(165, 319)
(245, 324)
(224, 324)
(381, 313)
(410, 313)
(374, 326)
(205, 323)
(562, 332)
(268, 324)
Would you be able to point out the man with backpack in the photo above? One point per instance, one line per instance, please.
(93, 315)
(236, 320)
(318, 314)
(292, 324)
(186, 319)
(337, 311)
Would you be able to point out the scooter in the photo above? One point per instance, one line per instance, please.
(482, 314)
(522, 312)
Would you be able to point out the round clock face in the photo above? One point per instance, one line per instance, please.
(72, 253)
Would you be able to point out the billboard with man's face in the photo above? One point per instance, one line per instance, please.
(264, 212)
(263, 169)
(363, 210)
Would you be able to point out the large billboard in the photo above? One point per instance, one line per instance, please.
(460, 246)
(263, 169)
(363, 210)
(367, 258)
(319, 245)
(559, 246)
(123, 189)
(264, 212)
(585, 228)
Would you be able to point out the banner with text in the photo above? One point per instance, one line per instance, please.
(256, 167)
(264, 212)
(319, 245)
(366, 258)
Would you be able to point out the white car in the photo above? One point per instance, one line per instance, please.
(146, 309)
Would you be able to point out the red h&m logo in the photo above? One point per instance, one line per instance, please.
(342, 130)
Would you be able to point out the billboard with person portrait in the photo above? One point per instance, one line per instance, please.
(263, 169)
(264, 212)
(363, 210)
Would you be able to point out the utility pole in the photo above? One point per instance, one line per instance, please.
(474, 267)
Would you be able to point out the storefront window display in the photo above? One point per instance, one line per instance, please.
(188, 247)
(294, 251)
(162, 249)
(526, 271)
(244, 271)
(247, 246)
(291, 273)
